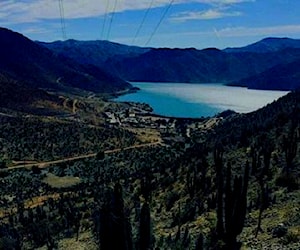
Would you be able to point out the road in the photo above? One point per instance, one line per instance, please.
(8, 115)
(80, 157)
(74, 106)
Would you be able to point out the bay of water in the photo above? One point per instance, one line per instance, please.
(196, 100)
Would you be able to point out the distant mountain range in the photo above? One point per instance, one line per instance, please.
(266, 45)
(234, 66)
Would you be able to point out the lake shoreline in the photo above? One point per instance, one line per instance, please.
(186, 101)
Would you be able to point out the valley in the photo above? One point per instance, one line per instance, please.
(79, 170)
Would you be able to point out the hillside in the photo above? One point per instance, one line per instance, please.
(164, 195)
(280, 77)
(198, 66)
(93, 52)
(21, 97)
(27, 62)
(106, 175)
(182, 65)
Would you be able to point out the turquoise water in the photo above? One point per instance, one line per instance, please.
(196, 100)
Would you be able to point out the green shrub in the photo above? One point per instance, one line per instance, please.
(171, 198)
(290, 237)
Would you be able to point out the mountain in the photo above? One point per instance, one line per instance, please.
(21, 97)
(96, 53)
(267, 45)
(280, 77)
(25, 61)
(198, 66)
(93, 52)
(179, 65)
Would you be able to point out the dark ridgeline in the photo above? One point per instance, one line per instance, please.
(269, 44)
(271, 63)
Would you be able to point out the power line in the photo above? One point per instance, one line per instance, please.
(143, 21)
(62, 18)
(105, 18)
(160, 21)
(111, 19)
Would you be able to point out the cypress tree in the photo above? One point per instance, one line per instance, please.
(218, 159)
(114, 228)
(231, 210)
(145, 228)
(289, 147)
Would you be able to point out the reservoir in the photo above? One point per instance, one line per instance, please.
(196, 100)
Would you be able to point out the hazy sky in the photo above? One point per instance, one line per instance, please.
(154, 23)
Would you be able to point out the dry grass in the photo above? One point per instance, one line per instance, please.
(286, 213)
(61, 182)
(85, 242)
(146, 135)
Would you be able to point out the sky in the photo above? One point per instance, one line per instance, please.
(154, 23)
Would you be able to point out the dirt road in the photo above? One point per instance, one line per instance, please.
(80, 157)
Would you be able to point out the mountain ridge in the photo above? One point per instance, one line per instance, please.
(26, 61)
(281, 77)
(186, 65)
(97, 50)
(269, 44)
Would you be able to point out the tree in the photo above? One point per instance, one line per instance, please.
(218, 159)
(36, 170)
(145, 228)
(235, 206)
(262, 178)
(114, 228)
(289, 147)
(231, 206)
(100, 155)
(2, 163)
